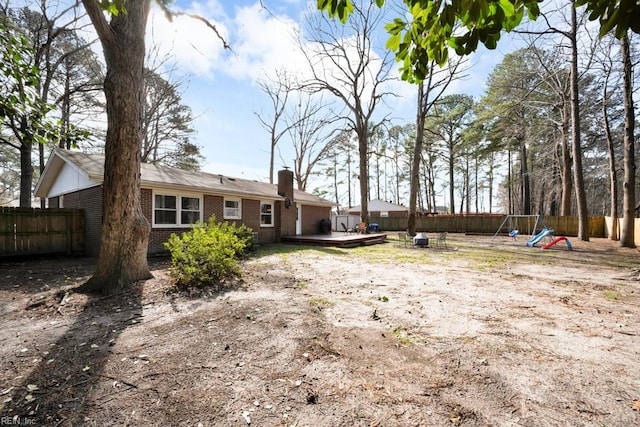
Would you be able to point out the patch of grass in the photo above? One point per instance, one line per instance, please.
(383, 298)
(403, 336)
(321, 302)
(611, 294)
(301, 284)
(391, 252)
(285, 249)
(490, 258)
(413, 258)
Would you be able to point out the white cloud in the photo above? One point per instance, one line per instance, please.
(188, 41)
(260, 41)
(264, 43)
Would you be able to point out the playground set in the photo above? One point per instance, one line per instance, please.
(533, 223)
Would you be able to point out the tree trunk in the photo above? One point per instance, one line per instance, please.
(509, 184)
(565, 203)
(26, 173)
(613, 178)
(272, 155)
(627, 237)
(524, 177)
(122, 258)
(349, 177)
(476, 178)
(335, 179)
(364, 173)
(450, 161)
(490, 178)
(415, 162)
(581, 197)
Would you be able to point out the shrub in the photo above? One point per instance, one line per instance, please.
(208, 254)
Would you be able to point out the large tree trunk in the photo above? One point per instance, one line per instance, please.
(581, 196)
(125, 230)
(363, 143)
(26, 174)
(627, 237)
(415, 162)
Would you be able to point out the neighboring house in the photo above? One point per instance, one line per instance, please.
(381, 209)
(174, 199)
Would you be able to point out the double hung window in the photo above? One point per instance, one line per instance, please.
(232, 209)
(266, 214)
(176, 211)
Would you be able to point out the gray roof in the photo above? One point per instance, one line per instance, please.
(167, 177)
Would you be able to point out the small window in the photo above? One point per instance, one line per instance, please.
(232, 209)
(384, 214)
(266, 214)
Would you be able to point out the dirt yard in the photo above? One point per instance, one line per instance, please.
(478, 333)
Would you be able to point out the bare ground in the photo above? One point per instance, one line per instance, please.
(483, 332)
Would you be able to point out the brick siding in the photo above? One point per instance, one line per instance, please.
(91, 201)
(311, 216)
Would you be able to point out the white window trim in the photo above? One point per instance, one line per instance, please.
(224, 207)
(267, 202)
(178, 197)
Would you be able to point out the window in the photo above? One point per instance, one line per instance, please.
(266, 214)
(176, 211)
(165, 211)
(232, 209)
(190, 210)
(384, 214)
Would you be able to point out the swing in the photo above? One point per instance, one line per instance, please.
(510, 224)
(514, 230)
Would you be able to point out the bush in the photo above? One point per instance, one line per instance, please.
(208, 254)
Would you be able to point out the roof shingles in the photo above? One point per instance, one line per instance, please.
(164, 176)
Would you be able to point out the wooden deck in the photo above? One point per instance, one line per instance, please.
(338, 239)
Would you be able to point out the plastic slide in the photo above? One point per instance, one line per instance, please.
(535, 239)
(556, 240)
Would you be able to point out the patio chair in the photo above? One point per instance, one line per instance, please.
(361, 227)
(404, 238)
(345, 228)
(442, 239)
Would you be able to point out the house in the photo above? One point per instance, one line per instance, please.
(381, 209)
(174, 199)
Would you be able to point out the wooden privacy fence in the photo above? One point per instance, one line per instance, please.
(489, 224)
(28, 231)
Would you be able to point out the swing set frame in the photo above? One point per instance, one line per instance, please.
(512, 224)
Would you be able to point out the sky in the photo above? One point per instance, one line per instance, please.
(221, 87)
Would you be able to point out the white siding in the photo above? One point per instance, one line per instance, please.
(70, 179)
